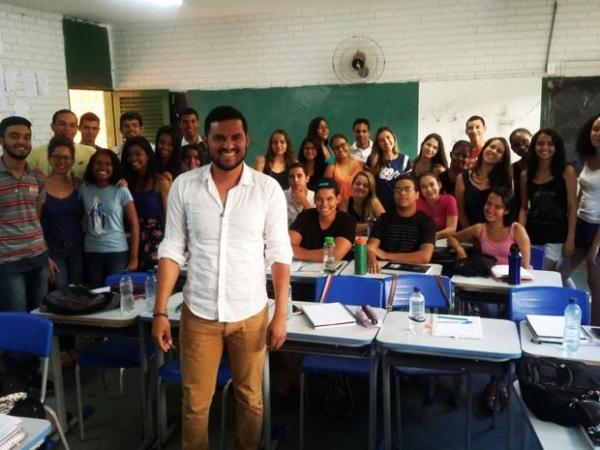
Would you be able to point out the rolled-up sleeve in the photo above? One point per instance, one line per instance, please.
(277, 240)
(174, 242)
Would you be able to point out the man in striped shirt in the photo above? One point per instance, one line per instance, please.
(23, 257)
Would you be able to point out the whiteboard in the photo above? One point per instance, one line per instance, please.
(505, 104)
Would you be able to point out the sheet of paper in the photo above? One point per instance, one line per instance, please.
(462, 327)
(29, 83)
(501, 270)
(10, 80)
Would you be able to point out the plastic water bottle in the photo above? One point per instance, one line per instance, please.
(514, 265)
(126, 291)
(289, 303)
(572, 326)
(416, 311)
(150, 290)
(329, 263)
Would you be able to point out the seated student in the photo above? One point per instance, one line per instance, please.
(310, 228)
(403, 234)
(363, 205)
(498, 233)
(298, 196)
(440, 207)
(318, 129)
(192, 156)
(344, 168)
(312, 156)
(278, 159)
(432, 156)
(458, 161)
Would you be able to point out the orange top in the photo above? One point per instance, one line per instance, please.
(345, 181)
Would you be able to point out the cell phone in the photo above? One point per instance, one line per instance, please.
(595, 332)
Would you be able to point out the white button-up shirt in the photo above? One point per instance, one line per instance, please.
(229, 247)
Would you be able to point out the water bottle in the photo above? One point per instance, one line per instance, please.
(126, 291)
(416, 311)
(150, 290)
(329, 263)
(360, 256)
(572, 326)
(289, 303)
(514, 265)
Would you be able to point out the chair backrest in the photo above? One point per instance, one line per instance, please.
(546, 300)
(428, 286)
(537, 257)
(115, 278)
(353, 290)
(26, 333)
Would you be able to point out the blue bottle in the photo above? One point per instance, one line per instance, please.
(514, 265)
(572, 326)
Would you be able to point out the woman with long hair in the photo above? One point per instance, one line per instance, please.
(363, 204)
(432, 156)
(311, 155)
(318, 129)
(278, 159)
(344, 168)
(440, 207)
(167, 157)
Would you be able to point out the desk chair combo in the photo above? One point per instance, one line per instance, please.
(110, 353)
(31, 334)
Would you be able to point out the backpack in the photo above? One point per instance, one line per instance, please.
(77, 299)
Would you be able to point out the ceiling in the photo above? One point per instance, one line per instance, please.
(124, 11)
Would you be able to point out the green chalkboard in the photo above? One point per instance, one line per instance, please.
(291, 108)
(87, 55)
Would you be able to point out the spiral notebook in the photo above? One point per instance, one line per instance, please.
(11, 432)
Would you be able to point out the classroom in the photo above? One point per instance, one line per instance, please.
(122, 157)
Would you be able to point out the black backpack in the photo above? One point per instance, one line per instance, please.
(77, 299)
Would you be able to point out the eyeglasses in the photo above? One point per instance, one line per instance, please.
(404, 190)
(61, 158)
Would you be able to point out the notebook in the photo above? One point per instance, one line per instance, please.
(461, 327)
(11, 432)
(323, 315)
(405, 267)
(501, 271)
(548, 328)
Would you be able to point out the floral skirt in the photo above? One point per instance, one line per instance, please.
(151, 235)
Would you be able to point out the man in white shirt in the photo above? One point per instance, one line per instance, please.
(188, 125)
(298, 196)
(361, 148)
(233, 222)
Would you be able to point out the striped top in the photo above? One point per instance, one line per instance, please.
(21, 234)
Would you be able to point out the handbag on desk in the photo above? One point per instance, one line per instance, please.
(77, 299)
(476, 265)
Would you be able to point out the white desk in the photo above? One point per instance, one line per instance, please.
(37, 430)
(494, 354)
(488, 284)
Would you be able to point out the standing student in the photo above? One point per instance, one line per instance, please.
(61, 216)
(587, 230)
(279, 158)
(167, 157)
(89, 127)
(298, 196)
(548, 208)
(344, 168)
(313, 158)
(363, 204)
(106, 208)
(189, 121)
(492, 170)
(440, 207)
(387, 164)
(520, 141)
(360, 150)
(432, 156)
(149, 191)
(233, 221)
(475, 129)
(318, 129)
(131, 124)
(458, 161)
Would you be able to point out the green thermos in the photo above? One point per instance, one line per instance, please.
(360, 255)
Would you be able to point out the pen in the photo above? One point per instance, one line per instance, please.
(370, 314)
(454, 318)
(457, 322)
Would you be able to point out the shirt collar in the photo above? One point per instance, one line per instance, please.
(3, 167)
(247, 178)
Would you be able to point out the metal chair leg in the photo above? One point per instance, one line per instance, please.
(159, 424)
(301, 447)
(79, 401)
(104, 383)
(398, 410)
(224, 412)
(52, 414)
(121, 370)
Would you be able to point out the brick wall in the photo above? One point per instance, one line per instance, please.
(32, 49)
(427, 40)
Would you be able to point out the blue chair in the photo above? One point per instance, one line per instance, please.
(171, 373)
(31, 334)
(349, 290)
(110, 353)
(434, 299)
(537, 257)
(546, 300)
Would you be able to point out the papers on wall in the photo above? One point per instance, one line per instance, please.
(463, 327)
(29, 83)
(10, 80)
(323, 315)
(43, 85)
(501, 271)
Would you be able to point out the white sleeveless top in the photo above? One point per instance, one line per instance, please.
(589, 184)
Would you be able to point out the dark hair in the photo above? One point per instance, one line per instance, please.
(290, 158)
(62, 111)
(375, 161)
(440, 156)
(60, 141)
(187, 147)
(131, 115)
(223, 113)
(327, 183)
(12, 121)
(501, 174)
(409, 177)
(517, 131)
(337, 136)
(507, 198)
(89, 177)
(173, 165)
(361, 120)
(427, 174)
(89, 117)
(188, 112)
(559, 159)
(297, 165)
(461, 143)
(312, 129)
(473, 118)
(320, 163)
(583, 144)
(134, 179)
